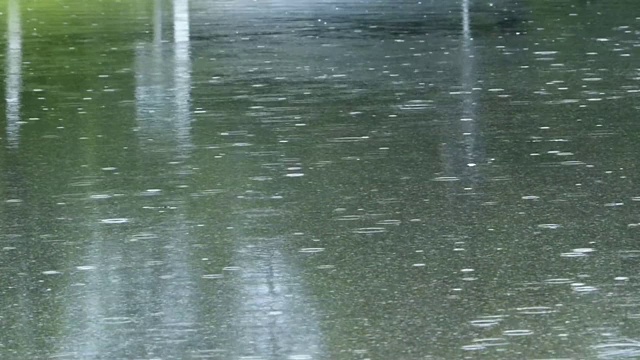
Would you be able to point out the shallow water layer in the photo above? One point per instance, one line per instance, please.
(319, 179)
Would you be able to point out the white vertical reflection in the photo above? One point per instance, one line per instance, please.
(163, 101)
(182, 73)
(178, 298)
(469, 114)
(138, 298)
(466, 33)
(157, 21)
(163, 83)
(461, 154)
(181, 21)
(13, 72)
(274, 318)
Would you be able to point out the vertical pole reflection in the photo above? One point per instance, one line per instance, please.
(157, 22)
(177, 294)
(163, 82)
(181, 21)
(13, 72)
(140, 301)
(182, 74)
(461, 154)
(466, 33)
(275, 318)
(150, 89)
(468, 119)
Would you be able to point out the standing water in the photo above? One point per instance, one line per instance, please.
(272, 179)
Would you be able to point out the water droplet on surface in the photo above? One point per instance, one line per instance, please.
(584, 289)
(614, 204)
(572, 163)
(522, 332)
(117, 320)
(558, 281)
(583, 250)
(231, 268)
(535, 310)
(446, 178)
(100, 196)
(311, 250)
(485, 323)
(370, 230)
(85, 267)
(323, 267)
(143, 236)
(530, 197)
(213, 276)
(573, 254)
(474, 347)
(51, 272)
(115, 221)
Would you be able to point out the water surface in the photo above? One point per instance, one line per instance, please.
(319, 180)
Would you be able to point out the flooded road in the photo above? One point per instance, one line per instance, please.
(319, 179)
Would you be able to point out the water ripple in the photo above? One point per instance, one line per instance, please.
(115, 221)
(370, 230)
(519, 332)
